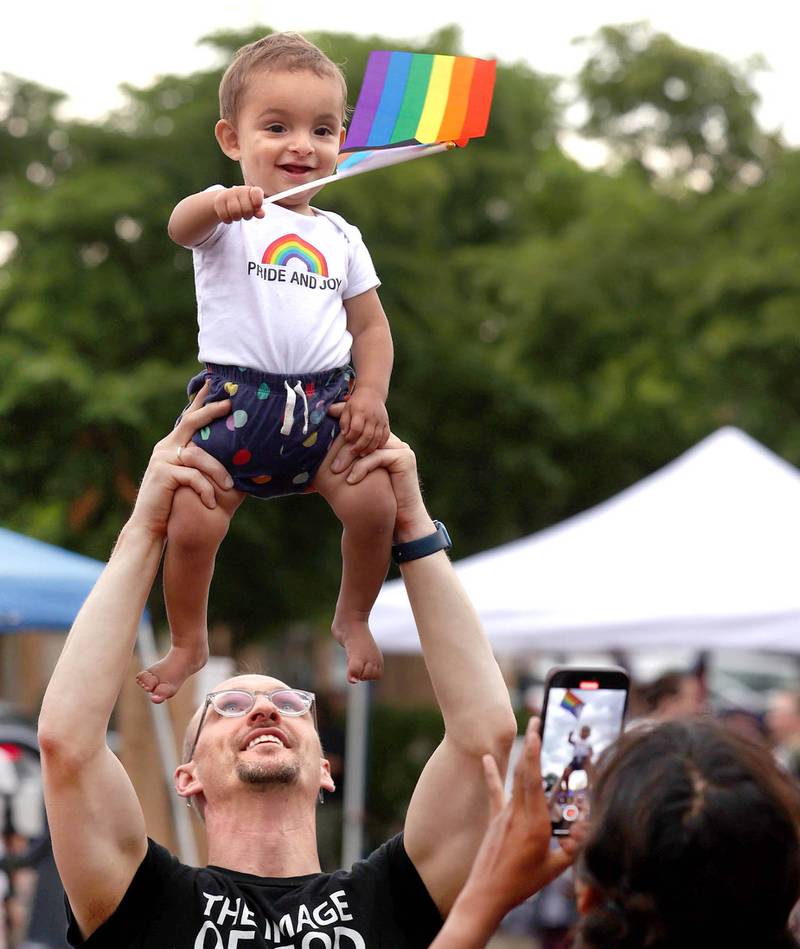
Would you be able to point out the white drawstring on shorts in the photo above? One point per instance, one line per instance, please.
(288, 414)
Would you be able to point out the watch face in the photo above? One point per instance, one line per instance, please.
(442, 531)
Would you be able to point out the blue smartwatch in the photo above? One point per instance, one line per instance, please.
(414, 549)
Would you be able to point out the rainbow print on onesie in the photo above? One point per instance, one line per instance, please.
(292, 247)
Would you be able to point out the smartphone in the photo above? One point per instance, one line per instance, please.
(582, 714)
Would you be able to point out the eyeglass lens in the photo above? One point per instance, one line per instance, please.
(239, 702)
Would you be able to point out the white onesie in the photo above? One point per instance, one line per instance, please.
(271, 291)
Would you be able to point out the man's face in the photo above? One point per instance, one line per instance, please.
(262, 747)
(288, 131)
(783, 718)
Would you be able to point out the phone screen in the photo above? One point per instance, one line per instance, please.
(579, 724)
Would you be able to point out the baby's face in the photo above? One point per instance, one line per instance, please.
(289, 129)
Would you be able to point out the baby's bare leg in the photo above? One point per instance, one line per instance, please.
(194, 534)
(367, 511)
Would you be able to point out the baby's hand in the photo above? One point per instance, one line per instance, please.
(364, 421)
(240, 203)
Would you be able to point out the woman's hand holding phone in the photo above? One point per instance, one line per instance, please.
(516, 858)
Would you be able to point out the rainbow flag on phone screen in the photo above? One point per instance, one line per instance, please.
(572, 703)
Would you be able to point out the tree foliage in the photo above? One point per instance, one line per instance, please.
(559, 332)
(679, 112)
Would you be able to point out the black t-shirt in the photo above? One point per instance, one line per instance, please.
(380, 902)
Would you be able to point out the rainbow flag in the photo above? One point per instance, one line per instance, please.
(572, 703)
(410, 105)
(421, 99)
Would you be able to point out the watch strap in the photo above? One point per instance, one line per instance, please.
(414, 549)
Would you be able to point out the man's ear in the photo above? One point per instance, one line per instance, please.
(186, 784)
(228, 139)
(325, 779)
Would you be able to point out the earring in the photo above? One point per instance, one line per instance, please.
(321, 796)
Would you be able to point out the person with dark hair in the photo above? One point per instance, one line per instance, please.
(695, 842)
(671, 696)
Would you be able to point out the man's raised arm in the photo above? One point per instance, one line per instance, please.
(449, 809)
(95, 820)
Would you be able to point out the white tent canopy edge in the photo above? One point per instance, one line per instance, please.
(702, 554)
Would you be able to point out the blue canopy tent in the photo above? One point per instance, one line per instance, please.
(42, 587)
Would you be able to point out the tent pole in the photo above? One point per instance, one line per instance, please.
(181, 819)
(355, 772)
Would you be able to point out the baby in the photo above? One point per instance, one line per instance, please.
(582, 753)
(290, 323)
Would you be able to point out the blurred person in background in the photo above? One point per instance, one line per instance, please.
(783, 724)
(8, 788)
(744, 723)
(672, 696)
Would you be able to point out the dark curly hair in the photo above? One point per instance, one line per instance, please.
(695, 842)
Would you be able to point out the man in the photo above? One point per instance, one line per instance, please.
(783, 724)
(253, 766)
(673, 696)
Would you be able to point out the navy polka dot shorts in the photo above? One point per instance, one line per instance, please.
(278, 431)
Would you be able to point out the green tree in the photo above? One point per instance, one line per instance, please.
(683, 112)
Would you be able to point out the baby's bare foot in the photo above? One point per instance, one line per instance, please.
(364, 659)
(163, 679)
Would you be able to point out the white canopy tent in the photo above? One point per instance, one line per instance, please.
(703, 554)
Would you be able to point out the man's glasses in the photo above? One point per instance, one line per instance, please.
(233, 703)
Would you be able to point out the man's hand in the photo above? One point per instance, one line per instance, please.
(364, 421)
(194, 468)
(240, 203)
(398, 459)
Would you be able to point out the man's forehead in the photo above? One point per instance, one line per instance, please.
(252, 682)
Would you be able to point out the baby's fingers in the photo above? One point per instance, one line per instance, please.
(364, 443)
(227, 208)
(355, 428)
(256, 201)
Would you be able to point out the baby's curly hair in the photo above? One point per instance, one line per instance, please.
(289, 51)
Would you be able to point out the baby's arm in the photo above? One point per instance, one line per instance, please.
(195, 217)
(364, 421)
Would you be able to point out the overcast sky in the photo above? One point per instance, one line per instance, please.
(89, 47)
